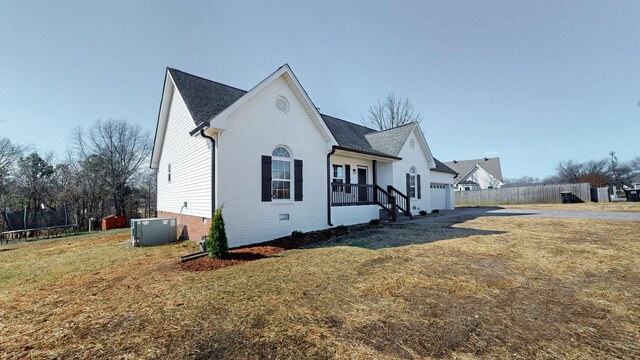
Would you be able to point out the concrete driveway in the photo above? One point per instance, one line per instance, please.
(549, 214)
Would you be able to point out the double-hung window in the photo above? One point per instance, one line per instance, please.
(281, 174)
(412, 183)
(338, 176)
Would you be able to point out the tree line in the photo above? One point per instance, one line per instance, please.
(605, 172)
(104, 172)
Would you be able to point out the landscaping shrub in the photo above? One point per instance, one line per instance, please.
(217, 245)
(297, 234)
(341, 228)
(422, 212)
(374, 222)
(435, 211)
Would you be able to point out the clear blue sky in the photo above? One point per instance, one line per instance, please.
(534, 83)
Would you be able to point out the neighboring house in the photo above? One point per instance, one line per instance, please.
(275, 164)
(635, 182)
(477, 174)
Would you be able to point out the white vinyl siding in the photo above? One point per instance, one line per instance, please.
(189, 159)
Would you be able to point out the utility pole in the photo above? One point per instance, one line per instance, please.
(614, 173)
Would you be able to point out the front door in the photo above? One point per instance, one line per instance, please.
(362, 180)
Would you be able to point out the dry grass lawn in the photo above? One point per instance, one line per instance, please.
(591, 206)
(491, 287)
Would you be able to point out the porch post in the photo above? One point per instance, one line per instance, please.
(394, 211)
(374, 165)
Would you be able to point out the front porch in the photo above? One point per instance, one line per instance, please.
(390, 200)
(355, 181)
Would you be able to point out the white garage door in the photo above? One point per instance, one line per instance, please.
(439, 196)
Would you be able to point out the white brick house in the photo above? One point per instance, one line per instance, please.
(276, 164)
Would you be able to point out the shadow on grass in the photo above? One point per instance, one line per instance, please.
(477, 211)
(419, 231)
(404, 234)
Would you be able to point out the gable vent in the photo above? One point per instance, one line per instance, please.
(282, 104)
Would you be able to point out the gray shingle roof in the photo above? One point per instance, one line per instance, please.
(491, 165)
(441, 167)
(348, 134)
(390, 141)
(357, 137)
(204, 98)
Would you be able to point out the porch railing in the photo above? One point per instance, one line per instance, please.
(403, 202)
(352, 194)
(364, 194)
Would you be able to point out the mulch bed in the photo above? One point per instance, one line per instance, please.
(266, 249)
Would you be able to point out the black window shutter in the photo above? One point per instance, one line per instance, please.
(419, 187)
(297, 173)
(266, 178)
(408, 185)
(347, 178)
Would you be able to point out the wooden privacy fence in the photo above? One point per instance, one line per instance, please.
(600, 194)
(538, 194)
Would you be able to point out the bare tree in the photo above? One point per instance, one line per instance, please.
(9, 155)
(604, 172)
(114, 149)
(621, 172)
(146, 188)
(392, 113)
(34, 183)
(634, 164)
(568, 171)
(522, 180)
(595, 172)
(82, 189)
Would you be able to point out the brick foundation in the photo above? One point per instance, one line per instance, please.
(195, 227)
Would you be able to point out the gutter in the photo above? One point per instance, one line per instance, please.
(333, 150)
(213, 169)
(199, 128)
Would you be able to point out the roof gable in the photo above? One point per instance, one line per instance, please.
(219, 120)
(209, 103)
(204, 98)
(386, 143)
(390, 141)
(441, 167)
(490, 165)
(476, 169)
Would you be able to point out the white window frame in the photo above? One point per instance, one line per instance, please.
(413, 183)
(279, 157)
(334, 178)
